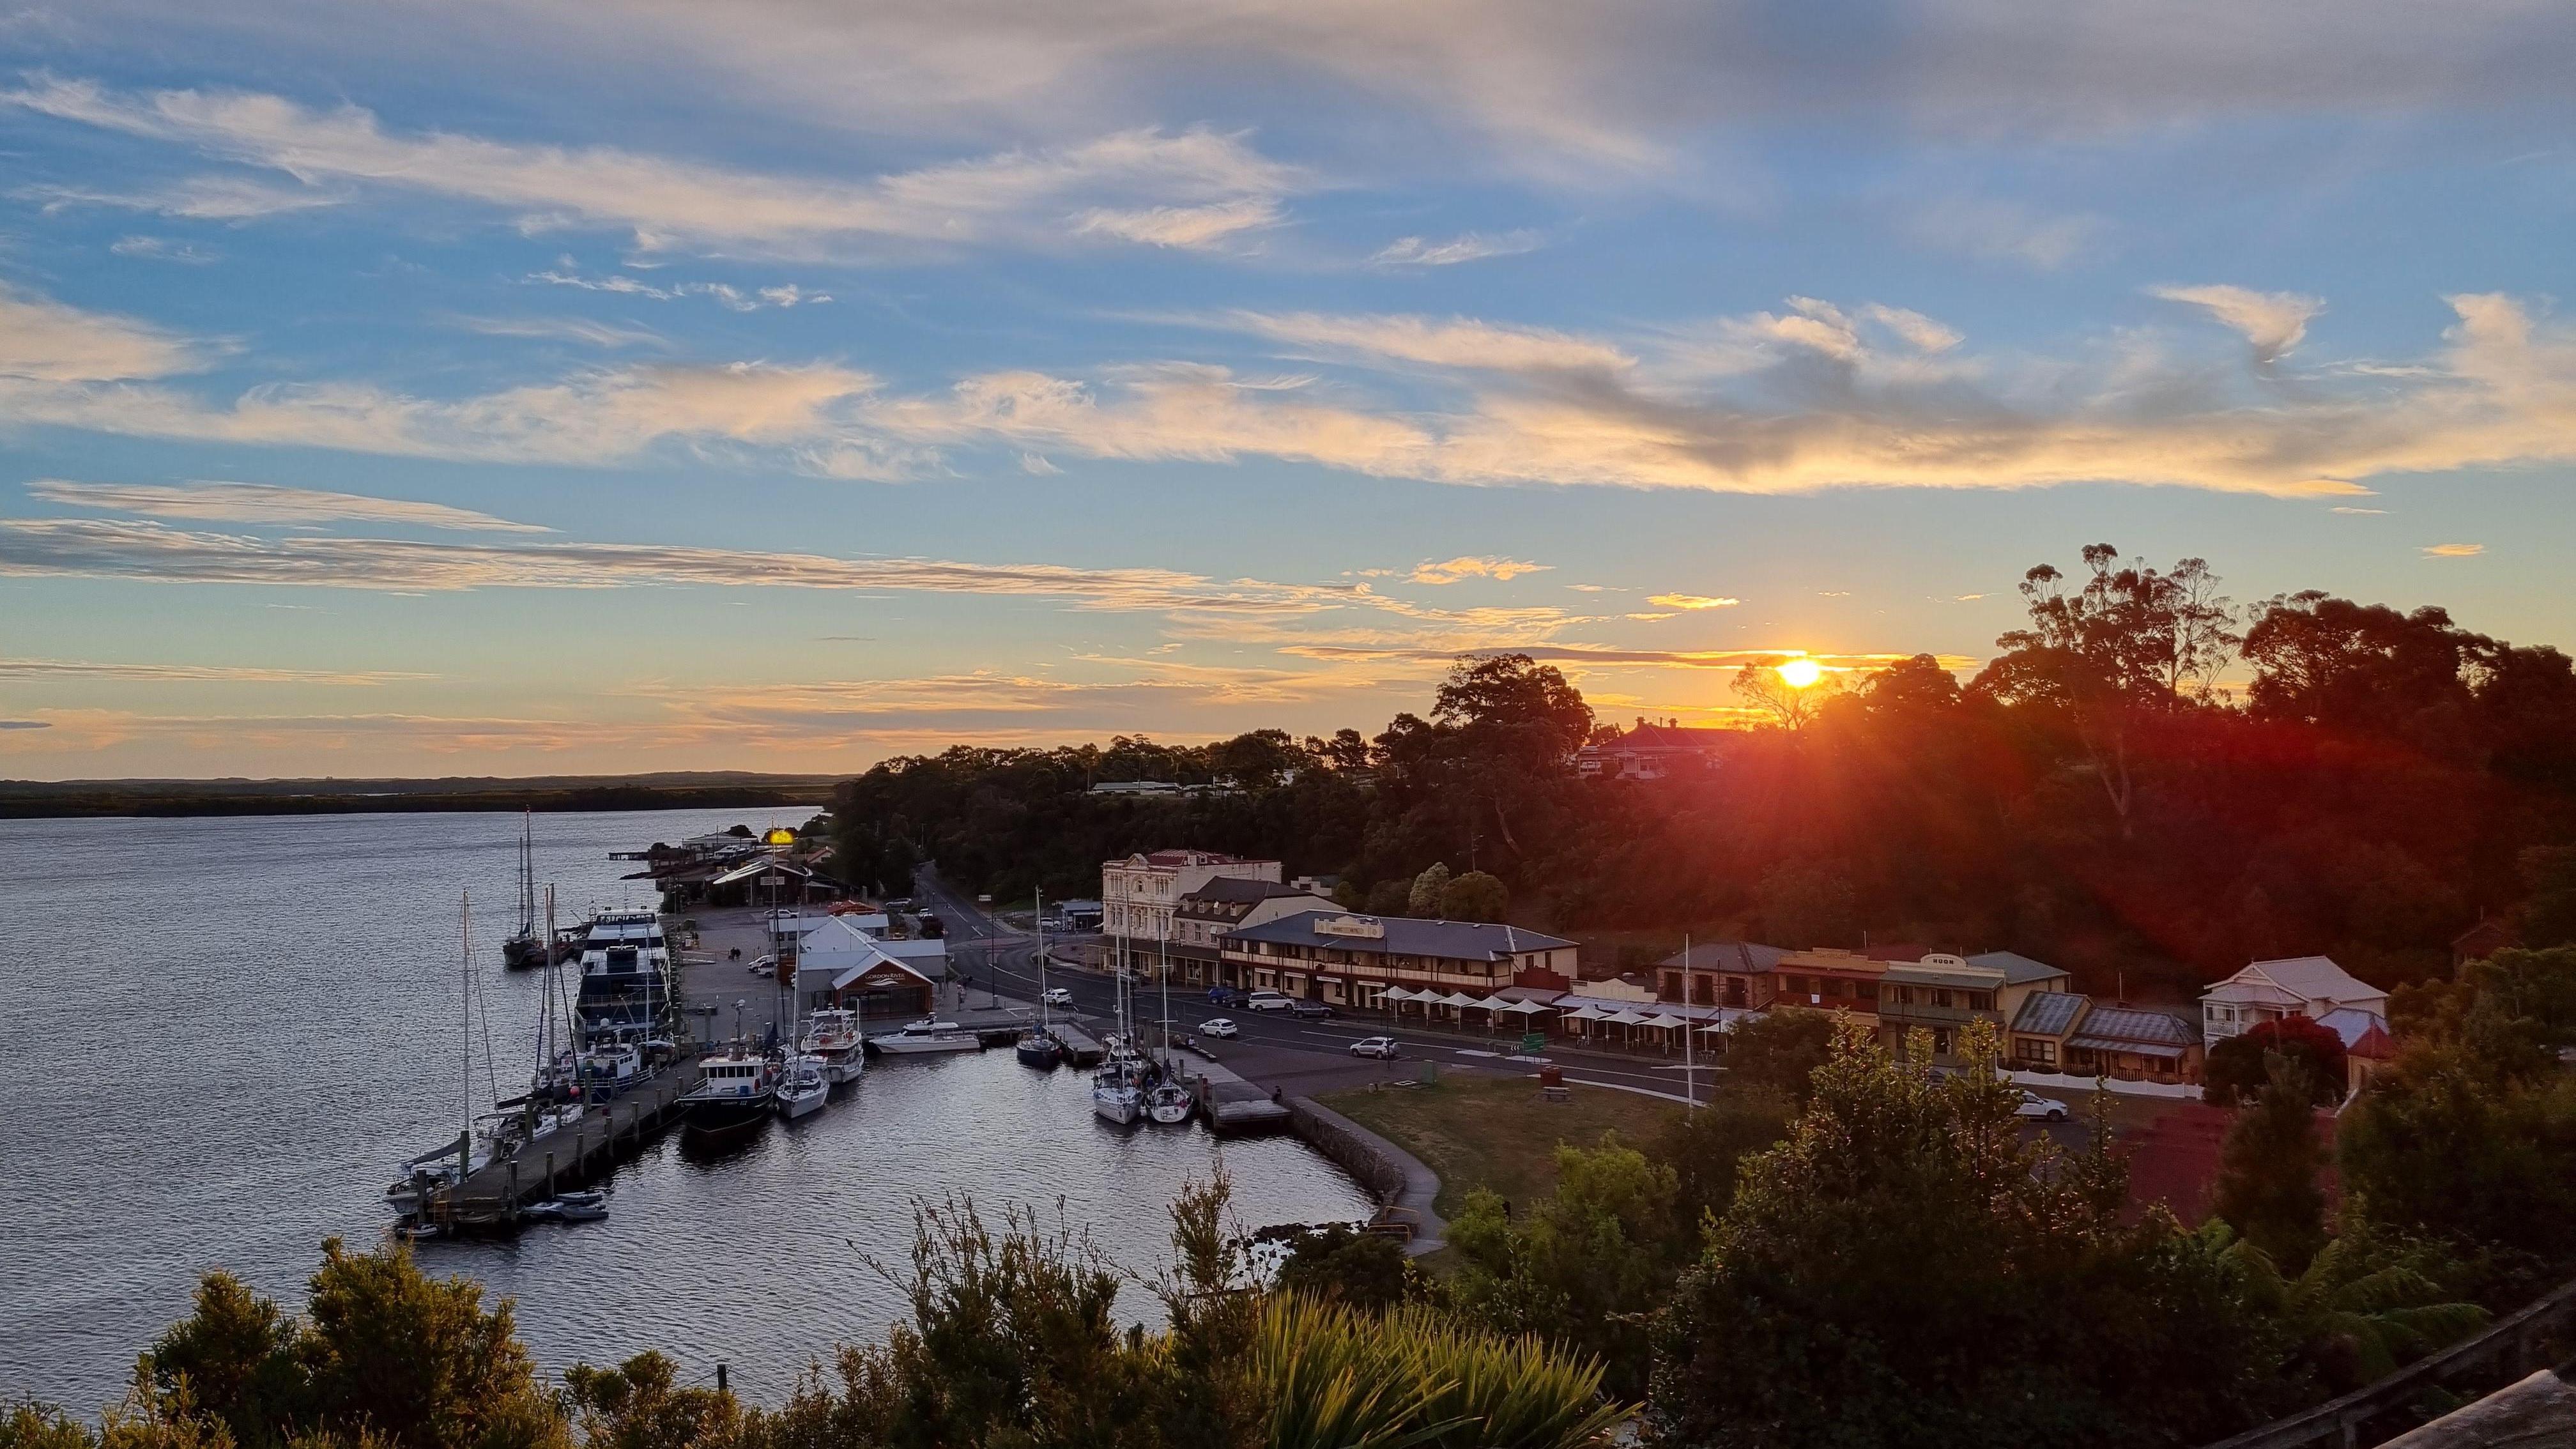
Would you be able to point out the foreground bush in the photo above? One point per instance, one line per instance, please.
(1012, 1343)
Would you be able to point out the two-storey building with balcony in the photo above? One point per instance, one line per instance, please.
(1829, 980)
(1225, 904)
(1942, 995)
(1344, 959)
(1741, 975)
(1139, 895)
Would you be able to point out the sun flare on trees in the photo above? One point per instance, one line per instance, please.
(1800, 673)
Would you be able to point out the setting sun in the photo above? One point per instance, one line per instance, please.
(1800, 673)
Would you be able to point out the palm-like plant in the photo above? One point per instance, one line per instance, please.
(2359, 1310)
(1340, 1379)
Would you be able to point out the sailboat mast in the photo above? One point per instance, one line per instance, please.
(465, 974)
(1037, 905)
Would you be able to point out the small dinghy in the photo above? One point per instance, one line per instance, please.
(570, 1207)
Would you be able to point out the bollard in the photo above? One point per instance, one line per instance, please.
(720, 1380)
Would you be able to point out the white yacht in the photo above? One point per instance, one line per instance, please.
(926, 1036)
(1118, 1090)
(1170, 1103)
(804, 1087)
(833, 1035)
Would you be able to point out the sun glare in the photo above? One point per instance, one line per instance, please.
(1800, 673)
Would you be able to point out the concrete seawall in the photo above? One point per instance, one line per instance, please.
(1397, 1177)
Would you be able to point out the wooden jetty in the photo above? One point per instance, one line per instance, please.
(1080, 1047)
(566, 1157)
(1232, 1104)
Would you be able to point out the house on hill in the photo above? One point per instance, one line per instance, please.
(2309, 986)
(1656, 752)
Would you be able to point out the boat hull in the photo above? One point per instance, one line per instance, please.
(1120, 1108)
(792, 1105)
(906, 1046)
(731, 1117)
(1171, 1113)
(1040, 1052)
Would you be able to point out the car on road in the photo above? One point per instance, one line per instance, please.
(1058, 996)
(1267, 1001)
(1381, 1047)
(1309, 1009)
(1225, 996)
(765, 966)
(1220, 1027)
(2045, 1109)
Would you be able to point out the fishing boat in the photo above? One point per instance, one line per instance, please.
(1170, 1103)
(1037, 1047)
(925, 1037)
(833, 1035)
(626, 976)
(526, 949)
(803, 1087)
(737, 1095)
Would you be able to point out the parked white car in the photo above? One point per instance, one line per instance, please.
(1058, 996)
(1381, 1047)
(1221, 1027)
(2046, 1109)
(765, 966)
(1267, 1001)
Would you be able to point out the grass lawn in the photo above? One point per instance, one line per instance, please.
(1497, 1132)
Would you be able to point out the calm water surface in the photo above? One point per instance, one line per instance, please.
(222, 1034)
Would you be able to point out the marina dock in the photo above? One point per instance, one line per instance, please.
(493, 1194)
(1232, 1105)
(1080, 1047)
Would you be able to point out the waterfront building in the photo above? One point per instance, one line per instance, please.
(2308, 986)
(1940, 994)
(1223, 904)
(1736, 974)
(2135, 1044)
(1139, 894)
(854, 972)
(1830, 979)
(1344, 959)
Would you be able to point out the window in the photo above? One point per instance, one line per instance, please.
(2033, 1049)
(1866, 991)
(1941, 997)
(1981, 1001)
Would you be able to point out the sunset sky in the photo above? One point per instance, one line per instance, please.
(529, 386)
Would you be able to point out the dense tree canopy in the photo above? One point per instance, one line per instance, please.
(2097, 796)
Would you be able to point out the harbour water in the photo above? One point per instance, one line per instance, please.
(221, 1034)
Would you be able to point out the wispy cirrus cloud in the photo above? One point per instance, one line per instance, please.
(45, 341)
(1414, 251)
(1456, 342)
(155, 552)
(730, 297)
(196, 198)
(1689, 602)
(2454, 550)
(2008, 231)
(1183, 178)
(265, 503)
(195, 673)
(2272, 322)
(1474, 566)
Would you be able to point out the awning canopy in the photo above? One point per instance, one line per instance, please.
(1626, 1018)
(1397, 993)
(1495, 1003)
(1659, 1019)
(1586, 1013)
(1525, 1008)
(1459, 998)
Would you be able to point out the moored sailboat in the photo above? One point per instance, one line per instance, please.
(1037, 1047)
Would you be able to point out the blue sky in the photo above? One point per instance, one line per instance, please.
(518, 386)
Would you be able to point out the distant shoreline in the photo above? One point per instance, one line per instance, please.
(87, 799)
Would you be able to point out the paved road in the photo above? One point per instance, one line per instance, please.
(1001, 960)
